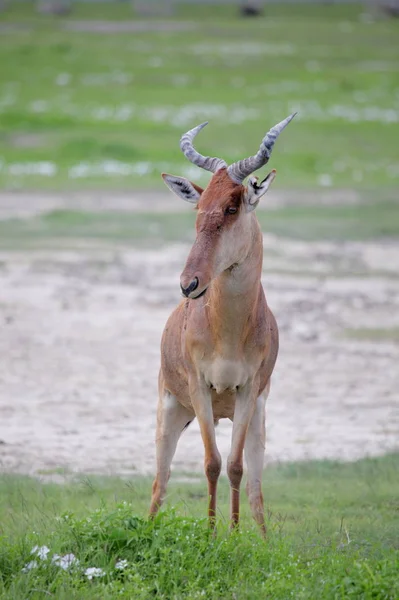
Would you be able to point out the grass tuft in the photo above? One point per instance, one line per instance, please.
(333, 533)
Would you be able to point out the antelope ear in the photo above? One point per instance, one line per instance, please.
(183, 187)
(255, 191)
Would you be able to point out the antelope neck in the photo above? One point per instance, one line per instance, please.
(233, 296)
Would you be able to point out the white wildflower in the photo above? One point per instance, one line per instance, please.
(40, 551)
(92, 572)
(39, 106)
(65, 562)
(63, 79)
(325, 180)
(29, 566)
(121, 565)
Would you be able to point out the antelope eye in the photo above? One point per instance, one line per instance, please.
(230, 210)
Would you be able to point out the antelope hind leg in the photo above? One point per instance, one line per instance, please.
(172, 418)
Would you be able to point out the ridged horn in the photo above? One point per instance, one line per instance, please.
(240, 170)
(205, 162)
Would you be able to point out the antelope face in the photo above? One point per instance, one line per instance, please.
(224, 222)
(223, 227)
(220, 241)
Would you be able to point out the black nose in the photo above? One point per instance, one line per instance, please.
(193, 286)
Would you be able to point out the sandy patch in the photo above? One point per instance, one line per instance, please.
(14, 27)
(26, 140)
(80, 335)
(141, 26)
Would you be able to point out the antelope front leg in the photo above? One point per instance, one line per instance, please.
(244, 409)
(254, 455)
(172, 419)
(202, 403)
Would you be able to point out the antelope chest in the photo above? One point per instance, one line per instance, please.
(225, 374)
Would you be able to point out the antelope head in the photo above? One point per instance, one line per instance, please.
(224, 221)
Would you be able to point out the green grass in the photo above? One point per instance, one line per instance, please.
(365, 222)
(333, 534)
(108, 109)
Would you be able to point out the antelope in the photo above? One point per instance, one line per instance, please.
(220, 345)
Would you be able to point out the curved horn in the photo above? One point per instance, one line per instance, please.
(241, 169)
(205, 162)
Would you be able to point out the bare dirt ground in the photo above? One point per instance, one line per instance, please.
(79, 344)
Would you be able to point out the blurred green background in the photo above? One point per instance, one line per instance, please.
(99, 98)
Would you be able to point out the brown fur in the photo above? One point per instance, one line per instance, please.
(218, 351)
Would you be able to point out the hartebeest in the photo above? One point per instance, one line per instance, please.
(220, 344)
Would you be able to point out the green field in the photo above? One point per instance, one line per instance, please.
(85, 109)
(151, 229)
(333, 534)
